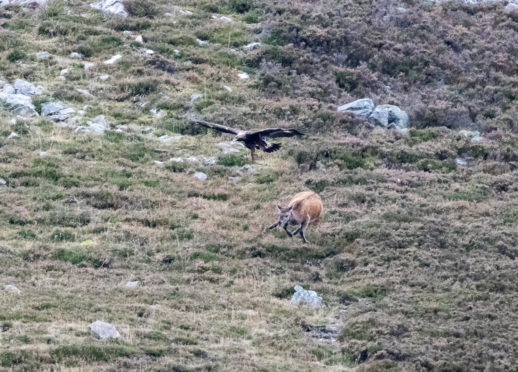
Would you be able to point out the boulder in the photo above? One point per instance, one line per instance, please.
(133, 284)
(51, 108)
(113, 59)
(229, 147)
(389, 116)
(115, 7)
(103, 330)
(304, 297)
(361, 107)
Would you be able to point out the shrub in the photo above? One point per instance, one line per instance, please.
(141, 8)
(231, 160)
(16, 55)
(240, 6)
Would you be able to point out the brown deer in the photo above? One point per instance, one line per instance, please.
(304, 209)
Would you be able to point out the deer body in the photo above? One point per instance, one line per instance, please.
(304, 209)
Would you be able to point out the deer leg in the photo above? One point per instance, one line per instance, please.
(301, 230)
(287, 232)
(274, 225)
(252, 153)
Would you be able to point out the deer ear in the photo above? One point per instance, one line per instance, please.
(279, 207)
(290, 209)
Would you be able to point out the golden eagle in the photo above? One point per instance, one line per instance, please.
(252, 139)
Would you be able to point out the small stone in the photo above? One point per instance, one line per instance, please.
(104, 77)
(11, 288)
(196, 96)
(159, 163)
(252, 46)
(3, 182)
(166, 139)
(13, 135)
(133, 284)
(200, 175)
(243, 75)
(202, 42)
(320, 166)
(139, 39)
(64, 71)
(113, 59)
(103, 330)
(176, 160)
(461, 161)
(75, 55)
(84, 92)
(156, 112)
(227, 88)
(42, 55)
(97, 125)
(223, 18)
(185, 12)
(43, 154)
(304, 297)
(176, 52)
(88, 65)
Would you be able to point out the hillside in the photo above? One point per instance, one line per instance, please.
(114, 207)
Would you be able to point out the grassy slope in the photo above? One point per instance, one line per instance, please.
(415, 258)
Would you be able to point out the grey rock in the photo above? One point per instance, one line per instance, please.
(28, 89)
(20, 104)
(11, 288)
(2, 181)
(88, 65)
(473, 134)
(243, 75)
(304, 297)
(8, 89)
(252, 46)
(51, 108)
(166, 139)
(139, 39)
(115, 7)
(97, 125)
(113, 59)
(42, 55)
(103, 330)
(133, 284)
(13, 135)
(361, 107)
(389, 116)
(229, 147)
(22, 2)
(104, 77)
(202, 42)
(461, 161)
(84, 92)
(196, 96)
(227, 88)
(76, 55)
(157, 112)
(248, 168)
(223, 18)
(200, 175)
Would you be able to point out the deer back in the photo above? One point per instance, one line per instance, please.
(306, 205)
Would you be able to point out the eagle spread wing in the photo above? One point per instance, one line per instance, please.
(221, 128)
(278, 132)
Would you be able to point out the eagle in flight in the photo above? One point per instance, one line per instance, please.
(254, 140)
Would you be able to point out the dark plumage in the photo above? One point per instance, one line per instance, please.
(254, 140)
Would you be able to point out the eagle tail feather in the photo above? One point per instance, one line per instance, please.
(273, 147)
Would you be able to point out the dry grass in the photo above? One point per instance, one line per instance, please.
(415, 256)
